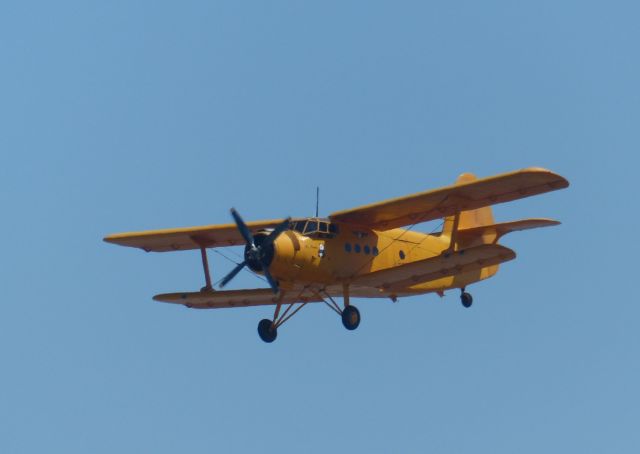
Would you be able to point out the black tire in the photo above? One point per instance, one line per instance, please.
(466, 299)
(351, 317)
(267, 331)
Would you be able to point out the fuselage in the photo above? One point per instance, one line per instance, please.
(318, 252)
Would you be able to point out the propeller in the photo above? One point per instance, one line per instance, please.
(258, 253)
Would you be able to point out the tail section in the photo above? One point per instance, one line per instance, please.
(477, 227)
(468, 219)
(477, 220)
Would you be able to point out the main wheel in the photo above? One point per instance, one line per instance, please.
(466, 299)
(267, 331)
(351, 317)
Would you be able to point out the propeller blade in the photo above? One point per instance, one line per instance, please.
(244, 230)
(284, 225)
(270, 280)
(232, 274)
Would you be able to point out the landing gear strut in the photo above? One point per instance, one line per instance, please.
(465, 298)
(350, 315)
(268, 329)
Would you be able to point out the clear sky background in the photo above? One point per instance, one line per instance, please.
(119, 115)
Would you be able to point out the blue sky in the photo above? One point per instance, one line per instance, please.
(119, 116)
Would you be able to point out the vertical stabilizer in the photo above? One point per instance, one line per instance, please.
(468, 219)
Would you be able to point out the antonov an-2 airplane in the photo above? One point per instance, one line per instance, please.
(364, 252)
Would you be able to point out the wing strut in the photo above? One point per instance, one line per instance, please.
(454, 234)
(205, 264)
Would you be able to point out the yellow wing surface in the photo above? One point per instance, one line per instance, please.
(501, 229)
(395, 278)
(232, 298)
(439, 203)
(436, 267)
(182, 239)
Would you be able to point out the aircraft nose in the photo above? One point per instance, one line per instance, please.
(285, 247)
(259, 255)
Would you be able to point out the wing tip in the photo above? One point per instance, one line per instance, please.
(109, 239)
(176, 298)
(559, 182)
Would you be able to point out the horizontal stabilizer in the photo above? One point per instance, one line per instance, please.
(501, 229)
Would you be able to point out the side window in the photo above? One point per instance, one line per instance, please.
(375, 250)
(333, 228)
(402, 255)
(367, 249)
(347, 247)
(324, 227)
(357, 247)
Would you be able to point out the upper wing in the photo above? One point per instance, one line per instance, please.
(438, 203)
(187, 238)
(437, 267)
(233, 298)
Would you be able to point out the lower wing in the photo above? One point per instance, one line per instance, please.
(234, 298)
(436, 267)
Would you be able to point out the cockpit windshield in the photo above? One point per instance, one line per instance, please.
(315, 228)
(298, 226)
(312, 227)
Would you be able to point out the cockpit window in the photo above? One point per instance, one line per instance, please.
(298, 226)
(315, 227)
(312, 227)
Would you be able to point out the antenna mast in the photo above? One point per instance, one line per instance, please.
(317, 199)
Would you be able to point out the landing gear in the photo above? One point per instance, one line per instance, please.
(351, 317)
(350, 314)
(267, 330)
(466, 299)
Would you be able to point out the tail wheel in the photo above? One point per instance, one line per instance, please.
(351, 317)
(267, 331)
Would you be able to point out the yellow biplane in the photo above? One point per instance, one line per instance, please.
(364, 252)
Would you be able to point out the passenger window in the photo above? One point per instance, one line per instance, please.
(367, 250)
(375, 250)
(347, 247)
(402, 255)
(357, 248)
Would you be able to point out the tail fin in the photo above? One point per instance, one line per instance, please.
(468, 219)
